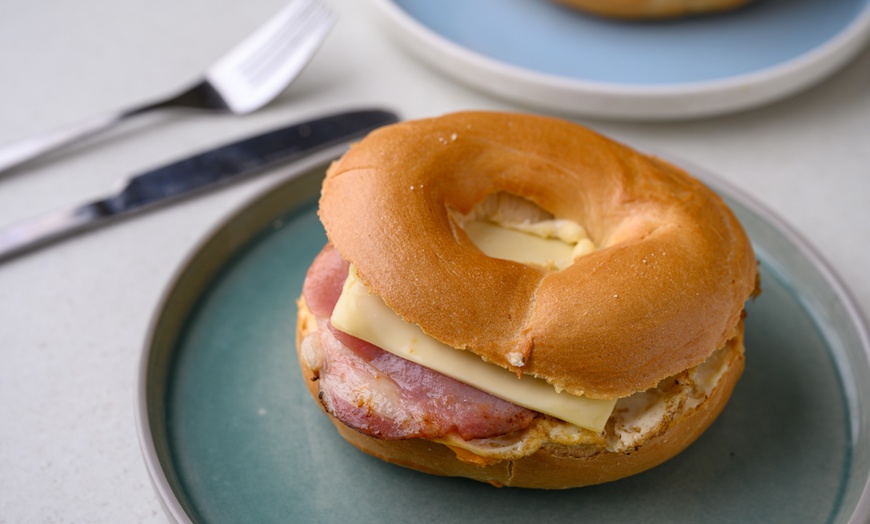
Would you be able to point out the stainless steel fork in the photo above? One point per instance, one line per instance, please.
(248, 77)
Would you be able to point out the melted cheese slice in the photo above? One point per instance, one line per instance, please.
(508, 244)
(551, 243)
(365, 315)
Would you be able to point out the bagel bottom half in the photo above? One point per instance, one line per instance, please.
(653, 9)
(555, 465)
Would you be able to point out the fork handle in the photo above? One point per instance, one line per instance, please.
(12, 154)
(20, 151)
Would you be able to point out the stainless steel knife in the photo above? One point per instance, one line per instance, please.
(193, 175)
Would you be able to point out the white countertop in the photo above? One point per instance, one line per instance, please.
(73, 317)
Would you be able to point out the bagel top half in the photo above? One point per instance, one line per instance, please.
(664, 289)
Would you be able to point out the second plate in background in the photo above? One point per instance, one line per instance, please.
(546, 56)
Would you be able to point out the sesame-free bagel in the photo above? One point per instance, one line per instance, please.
(665, 288)
(650, 9)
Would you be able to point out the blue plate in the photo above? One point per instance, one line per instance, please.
(230, 434)
(552, 57)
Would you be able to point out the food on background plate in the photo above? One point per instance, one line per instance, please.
(653, 9)
(519, 300)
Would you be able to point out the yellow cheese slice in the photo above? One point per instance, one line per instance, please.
(528, 248)
(365, 315)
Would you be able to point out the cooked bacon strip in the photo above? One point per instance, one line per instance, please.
(386, 396)
(324, 281)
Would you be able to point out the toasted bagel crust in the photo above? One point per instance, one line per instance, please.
(664, 290)
(651, 9)
(553, 466)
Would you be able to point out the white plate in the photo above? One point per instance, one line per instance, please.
(549, 57)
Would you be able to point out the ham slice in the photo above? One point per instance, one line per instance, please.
(386, 396)
(324, 281)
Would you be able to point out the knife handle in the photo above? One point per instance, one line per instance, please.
(192, 175)
(34, 232)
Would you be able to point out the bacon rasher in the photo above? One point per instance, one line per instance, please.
(384, 395)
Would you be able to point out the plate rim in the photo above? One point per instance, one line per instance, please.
(174, 508)
(858, 318)
(621, 101)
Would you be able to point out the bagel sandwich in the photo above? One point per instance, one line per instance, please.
(653, 9)
(519, 300)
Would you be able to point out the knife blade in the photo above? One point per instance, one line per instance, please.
(196, 174)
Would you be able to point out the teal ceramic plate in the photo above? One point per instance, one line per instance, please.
(547, 56)
(230, 434)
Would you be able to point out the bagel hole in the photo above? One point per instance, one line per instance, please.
(510, 227)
